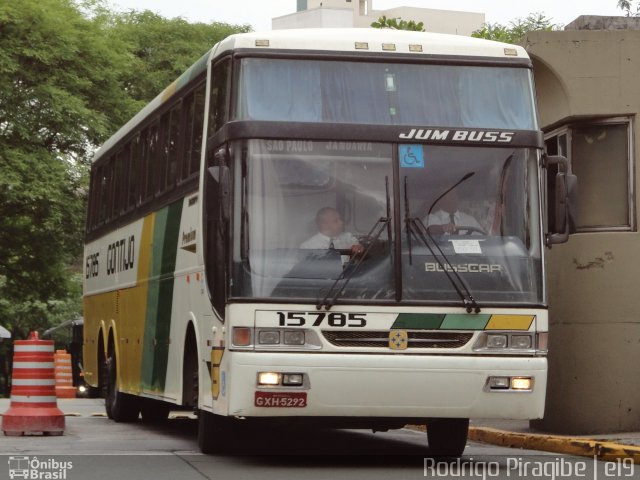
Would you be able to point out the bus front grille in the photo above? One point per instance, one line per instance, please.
(380, 339)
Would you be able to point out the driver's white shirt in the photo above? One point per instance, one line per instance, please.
(321, 241)
(461, 219)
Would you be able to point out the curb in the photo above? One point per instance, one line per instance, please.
(585, 447)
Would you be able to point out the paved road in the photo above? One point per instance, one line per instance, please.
(98, 448)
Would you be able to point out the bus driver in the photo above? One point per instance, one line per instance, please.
(331, 234)
(448, 218)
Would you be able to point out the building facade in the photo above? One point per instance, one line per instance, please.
(587, 90)
(361, 14)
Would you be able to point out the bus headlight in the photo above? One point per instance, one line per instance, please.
(507, 342)
(246, 338)
(294, 337)
(292, 379)
(521, 341)
(509, 384)
(268, 378)
(269, 337)
(522, 383)
(496, 341)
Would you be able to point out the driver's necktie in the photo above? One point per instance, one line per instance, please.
(452, 218)
(331, 245)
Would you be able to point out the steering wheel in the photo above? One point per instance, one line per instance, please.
(468, 230)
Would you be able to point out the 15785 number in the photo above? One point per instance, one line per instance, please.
(316, 319)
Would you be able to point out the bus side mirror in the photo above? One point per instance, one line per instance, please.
(566, 195)
(222, 181)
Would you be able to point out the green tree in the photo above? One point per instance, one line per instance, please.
(627, 7)
(398, 24)
(70, 75)
(516, 29)
(161, 49)
(59, 96)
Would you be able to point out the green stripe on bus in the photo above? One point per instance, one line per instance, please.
(148, 356)
(160, 298)
(419, 321)
(465, 322)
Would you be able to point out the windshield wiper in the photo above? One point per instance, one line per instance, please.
(417, 227)
(356, 260)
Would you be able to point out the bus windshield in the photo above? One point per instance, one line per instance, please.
(385, 94)
(320, 218)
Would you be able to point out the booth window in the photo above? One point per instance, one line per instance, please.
(599, 154)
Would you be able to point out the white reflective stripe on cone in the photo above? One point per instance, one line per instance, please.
(33, 348)
(34, 398)
(33, 365)
(19, 382)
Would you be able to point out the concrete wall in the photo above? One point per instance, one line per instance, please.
(437, 21)
(343, 14)
(594, 292)
(316, 18)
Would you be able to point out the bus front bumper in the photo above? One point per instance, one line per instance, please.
(407, 386)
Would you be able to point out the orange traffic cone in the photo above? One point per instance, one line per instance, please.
(64, 376)
(34, 406)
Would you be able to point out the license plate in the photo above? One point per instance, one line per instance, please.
(281, 399)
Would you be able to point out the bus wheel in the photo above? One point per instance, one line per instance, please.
(447, 436)
(213, 432)
(154, 411)
(121, 407)
(104, 387)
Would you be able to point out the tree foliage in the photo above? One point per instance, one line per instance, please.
(162, 48)
(398, 24)
(627, 7)
(70, 75)
(516, 30)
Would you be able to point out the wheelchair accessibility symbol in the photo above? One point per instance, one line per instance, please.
(411, 156)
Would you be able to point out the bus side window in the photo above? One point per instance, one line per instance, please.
(219, 106)
(134, 171)
(217, 229)
(171, 145)
(120, 179)
(198, 125)
(151, 159)
(108, 191)
(161, 157)
(194, 112)
(94, 201)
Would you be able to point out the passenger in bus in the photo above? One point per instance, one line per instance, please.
(331, 234)
(448, 218)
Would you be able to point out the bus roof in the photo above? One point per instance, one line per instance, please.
(371, 40)
(356, 40)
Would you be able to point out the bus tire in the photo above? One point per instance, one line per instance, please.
(212, 433)
(154, 411)
(447, 437)
(121, 407)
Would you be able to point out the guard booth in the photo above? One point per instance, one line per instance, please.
(587, 88)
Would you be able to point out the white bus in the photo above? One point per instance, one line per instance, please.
(212, 281)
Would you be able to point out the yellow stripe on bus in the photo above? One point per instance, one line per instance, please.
(133, 312)
(510, 322)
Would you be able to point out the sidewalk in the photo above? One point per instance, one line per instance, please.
(518, 434)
